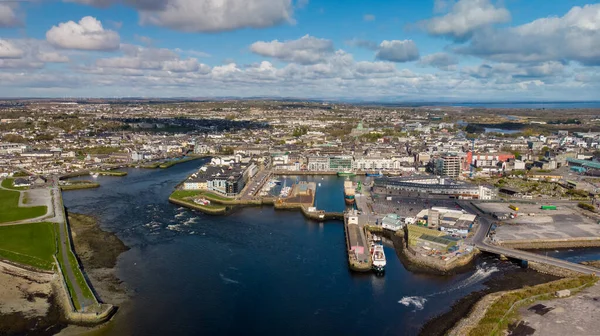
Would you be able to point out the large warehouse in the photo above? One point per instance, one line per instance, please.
(432, 187)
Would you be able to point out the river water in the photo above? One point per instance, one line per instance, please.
(256, 271)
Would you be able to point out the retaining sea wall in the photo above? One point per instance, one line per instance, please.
(535, 244)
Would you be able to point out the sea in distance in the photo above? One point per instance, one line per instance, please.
(506, 105)
(257, 271)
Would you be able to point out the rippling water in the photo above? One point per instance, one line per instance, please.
(257, 271)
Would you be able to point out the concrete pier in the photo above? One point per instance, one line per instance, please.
(356, 242)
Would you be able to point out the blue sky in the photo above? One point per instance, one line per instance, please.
(467, 50)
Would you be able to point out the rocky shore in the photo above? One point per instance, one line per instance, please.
(511, 280)
(98, 251)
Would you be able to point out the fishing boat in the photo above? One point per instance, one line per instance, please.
(345, 173)
(378, 258)
(349, 192)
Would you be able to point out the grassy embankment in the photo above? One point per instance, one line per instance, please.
(110, 172)
(35, 244)
(29, 244)
(10, 210)
(498, 317)
(186, 195)
(76, 185)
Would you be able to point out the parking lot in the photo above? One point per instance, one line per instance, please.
(533, 223)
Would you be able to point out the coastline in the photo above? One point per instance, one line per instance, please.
(464, 307)
(98, 251)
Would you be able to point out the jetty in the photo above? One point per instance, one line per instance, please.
(356, 242)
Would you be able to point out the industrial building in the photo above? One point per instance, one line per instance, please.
(430, 239)
(451, 221)
(432, 186)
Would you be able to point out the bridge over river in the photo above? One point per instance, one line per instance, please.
(481, 241)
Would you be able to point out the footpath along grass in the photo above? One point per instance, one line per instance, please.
(494, 322)
(29, 244)
(10, 210)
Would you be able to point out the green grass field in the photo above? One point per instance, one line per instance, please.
(8, 184)
(29, 244)
(10, 210)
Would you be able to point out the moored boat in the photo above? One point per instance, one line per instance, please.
(378, 258)
(349, 192)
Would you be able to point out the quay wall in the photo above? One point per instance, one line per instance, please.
(303, 173)
(443, 266)
(92, 318)
(416, 262)
(536, 244)
(353, 264)
(198, 207)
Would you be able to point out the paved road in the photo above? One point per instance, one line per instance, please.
(66, 247)
(256, 182)
(48, 217)
(480, 240)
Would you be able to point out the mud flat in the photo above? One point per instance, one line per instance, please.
(27, 303)
(98, 251)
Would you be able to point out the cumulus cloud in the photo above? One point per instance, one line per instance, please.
(465, 17)
(398, 51)
(141, 58)
(218, 15)
(505, 73)
(305, 50)
(8, 15)
(574, 36)
(52, 57)
(87, 34)
(441, 61)
(8, 50)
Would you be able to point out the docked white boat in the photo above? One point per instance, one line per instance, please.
(94, 175)
(378, 258)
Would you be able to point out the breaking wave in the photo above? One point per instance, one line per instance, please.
(417, 301)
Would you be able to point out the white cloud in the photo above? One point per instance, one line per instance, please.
(9, 50)
(574, 36)
(52, 57)
(88, 34)
(305, 50)
(369, 17)
(398, 51)
(141, 58)
(8, 15)
(465, 17)
(441, 61)
(218, 15)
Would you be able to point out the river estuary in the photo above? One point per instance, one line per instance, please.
(256, 271)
